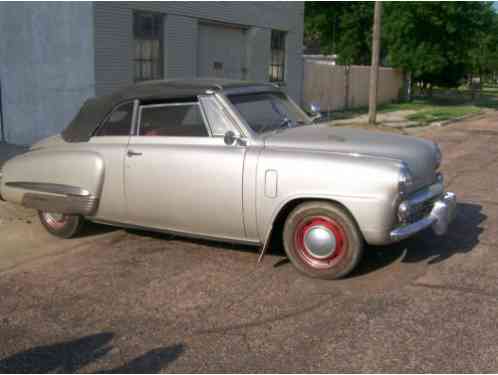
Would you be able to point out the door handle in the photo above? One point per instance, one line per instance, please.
(131, 153)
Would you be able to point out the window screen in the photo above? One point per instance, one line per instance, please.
(118, 123)
(172, 120)
(148, 35)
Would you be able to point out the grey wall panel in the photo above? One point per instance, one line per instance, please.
(114, 47)
(46, 66)
(258, 53)
(180, 46)
(294, 66)
(221, 51)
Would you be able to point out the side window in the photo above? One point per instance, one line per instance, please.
(218, 120)
(118, 123)
(172, 120)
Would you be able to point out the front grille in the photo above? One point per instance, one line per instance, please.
(423, 209)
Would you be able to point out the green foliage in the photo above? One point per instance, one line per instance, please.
(438, 42)
(342, 28)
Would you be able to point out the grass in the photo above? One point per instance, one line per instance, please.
(442, 106)
(438, 114)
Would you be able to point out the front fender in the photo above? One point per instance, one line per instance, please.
(365, 186)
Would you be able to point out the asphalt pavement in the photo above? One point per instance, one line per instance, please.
(129, 301)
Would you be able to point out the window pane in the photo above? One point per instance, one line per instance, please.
(184, 120)
(118, 123)
(217, 118)
(277, 60)
(148, 57)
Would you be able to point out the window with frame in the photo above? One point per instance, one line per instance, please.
(172, 120)
(118, 122)
(277, 63)
(148, 36)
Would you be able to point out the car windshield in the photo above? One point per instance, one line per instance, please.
(268, 111)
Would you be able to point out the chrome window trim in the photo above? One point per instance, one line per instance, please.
(106, 117)
(239, 121)
(134, 117)
(231, 121)
(141, 107)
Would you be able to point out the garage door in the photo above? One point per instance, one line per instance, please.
(221, 51)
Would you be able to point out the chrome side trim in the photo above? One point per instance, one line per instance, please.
(79, 205)
(49, 188)
(440, 217)
(181, 234)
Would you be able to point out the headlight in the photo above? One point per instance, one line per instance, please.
(404, 212)
(439, 155)
(405, 179)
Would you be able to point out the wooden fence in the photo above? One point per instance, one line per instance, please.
(336, 87)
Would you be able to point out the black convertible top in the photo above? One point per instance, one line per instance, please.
(95, 109)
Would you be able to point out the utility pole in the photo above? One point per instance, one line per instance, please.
(374, 68)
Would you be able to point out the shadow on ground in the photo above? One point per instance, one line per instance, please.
(71, 356)
(462, 237)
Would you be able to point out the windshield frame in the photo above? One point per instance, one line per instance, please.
(243, 122)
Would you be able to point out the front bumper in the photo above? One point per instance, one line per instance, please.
(442, 214)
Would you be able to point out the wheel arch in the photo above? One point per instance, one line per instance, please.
(275, 230)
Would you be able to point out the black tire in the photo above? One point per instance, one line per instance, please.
(61, 225)
(343, 247)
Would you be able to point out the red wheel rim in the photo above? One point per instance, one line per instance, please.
(54, 220)
(331, 250)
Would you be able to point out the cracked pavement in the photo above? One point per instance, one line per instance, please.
(129, 301)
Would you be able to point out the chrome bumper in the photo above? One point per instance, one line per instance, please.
(441, 215)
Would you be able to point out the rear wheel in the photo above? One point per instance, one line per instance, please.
(322, 240)
(61, 225)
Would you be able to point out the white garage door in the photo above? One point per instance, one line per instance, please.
(221, 51)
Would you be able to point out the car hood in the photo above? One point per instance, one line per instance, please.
(417, 153)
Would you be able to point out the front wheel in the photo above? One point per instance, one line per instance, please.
(61, 225)
(322, 240)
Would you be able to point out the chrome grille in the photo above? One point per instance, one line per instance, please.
(422, 209)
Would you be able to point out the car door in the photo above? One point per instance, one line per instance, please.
(181, 176)
(110, 140)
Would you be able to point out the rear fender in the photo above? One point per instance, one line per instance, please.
(54, 180)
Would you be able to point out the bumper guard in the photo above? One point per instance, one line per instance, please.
(441, 215)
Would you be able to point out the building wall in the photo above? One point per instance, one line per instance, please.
(46, 66)
(114, 39)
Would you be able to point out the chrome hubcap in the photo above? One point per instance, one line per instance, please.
(320, 242)
(55, 220)
(55, 216)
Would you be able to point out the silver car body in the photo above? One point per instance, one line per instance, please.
(200, 186)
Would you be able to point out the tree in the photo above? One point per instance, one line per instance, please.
(484, 54)
(433, 40)
(342, 28)
(439, 43)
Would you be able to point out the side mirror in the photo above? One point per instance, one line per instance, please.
(231, 138)
(314, 110)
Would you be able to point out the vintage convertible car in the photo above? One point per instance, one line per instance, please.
(233, 161)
